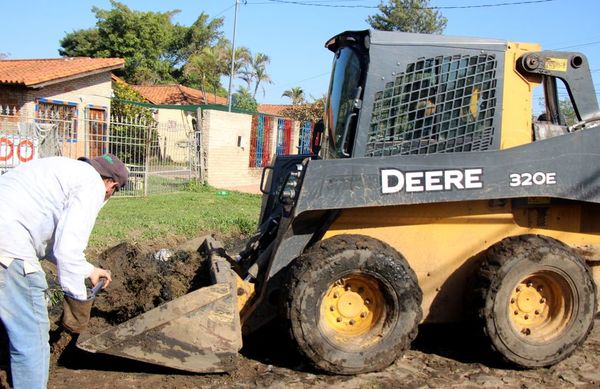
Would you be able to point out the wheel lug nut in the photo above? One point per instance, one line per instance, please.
(363, 315)
(540, 288)
(339, 319)
(529, 284)
(512, 301)
(348, 287)
(526, 317)
(361, 289)
(336, 295)
(332, 308)
(351, 322)
(537, 312)
(526, 331)
(518, 289)
(367, 302)
(542, 300)
(516, 312)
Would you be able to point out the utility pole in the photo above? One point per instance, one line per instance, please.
(232, 53)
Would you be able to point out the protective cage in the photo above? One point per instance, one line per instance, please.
(437, 105)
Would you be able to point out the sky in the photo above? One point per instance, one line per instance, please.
(293, 35)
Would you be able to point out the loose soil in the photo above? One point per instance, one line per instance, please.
(143, 278)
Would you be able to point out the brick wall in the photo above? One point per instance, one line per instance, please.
(226, 162)
(95, 90)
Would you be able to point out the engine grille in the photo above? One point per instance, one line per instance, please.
(438, 105)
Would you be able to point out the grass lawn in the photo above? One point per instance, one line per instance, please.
(181, 215)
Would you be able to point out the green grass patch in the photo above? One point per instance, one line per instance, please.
(181, 215)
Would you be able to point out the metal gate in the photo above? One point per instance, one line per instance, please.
(159, 156)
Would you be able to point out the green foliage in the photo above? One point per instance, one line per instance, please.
(121, 109)
(242, 99)
(187, 41)
(142, 38)
(311, 112)
(183, 215)
(126, 116)
(80, 43)
(567, 111)
(155, 49)
(205, 67)
(255, 71)
(296, 94)
(408, 16)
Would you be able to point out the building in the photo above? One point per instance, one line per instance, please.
(60, 104)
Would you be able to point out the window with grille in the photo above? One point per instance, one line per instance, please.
(437, 105)
(62, 117)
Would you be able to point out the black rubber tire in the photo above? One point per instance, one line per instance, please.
(504, 274)
(316, 271)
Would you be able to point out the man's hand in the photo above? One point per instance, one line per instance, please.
(98, 273)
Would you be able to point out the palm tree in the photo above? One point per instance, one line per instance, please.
(242, 58)
(204, 68)
(296, 94)
(259, 65)
(260, 75)
(255, 72)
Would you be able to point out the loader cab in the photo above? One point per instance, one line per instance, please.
(397, 93)
(394, 93)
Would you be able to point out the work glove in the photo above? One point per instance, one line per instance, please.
(76, 313)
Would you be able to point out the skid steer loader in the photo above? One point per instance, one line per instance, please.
(431, 194)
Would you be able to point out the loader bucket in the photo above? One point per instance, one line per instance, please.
(198, 332)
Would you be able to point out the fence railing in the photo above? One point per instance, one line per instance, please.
(162, 157)
(159, 156)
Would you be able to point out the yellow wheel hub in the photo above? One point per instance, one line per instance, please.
(352, 306)
(541, 306)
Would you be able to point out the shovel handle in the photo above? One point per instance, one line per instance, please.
(97, 288)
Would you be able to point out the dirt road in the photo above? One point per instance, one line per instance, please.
(440, 357)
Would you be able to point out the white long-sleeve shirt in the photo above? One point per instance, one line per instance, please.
(48, 208)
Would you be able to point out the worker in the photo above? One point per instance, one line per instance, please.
(48, 208)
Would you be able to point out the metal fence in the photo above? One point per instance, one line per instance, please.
(161, 157)
(264, 127)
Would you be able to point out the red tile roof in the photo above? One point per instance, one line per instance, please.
(273, 109)
(41, 72)
(177, 94)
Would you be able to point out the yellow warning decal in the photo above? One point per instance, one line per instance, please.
(556, 64)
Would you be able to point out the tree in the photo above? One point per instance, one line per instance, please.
(188, 41)
(296, 94)
(142, 38)
(130, 121)
(242, 99)
(255, 72)
(311, 112)
(408, 16)
(204, 68)
(155, 50)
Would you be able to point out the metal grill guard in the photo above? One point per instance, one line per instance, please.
(438, 105)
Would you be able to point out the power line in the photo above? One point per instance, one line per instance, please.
(580, 45)
(322, 4)
(306, 79)
(225, 10)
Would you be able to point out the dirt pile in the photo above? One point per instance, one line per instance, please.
(142, 280)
